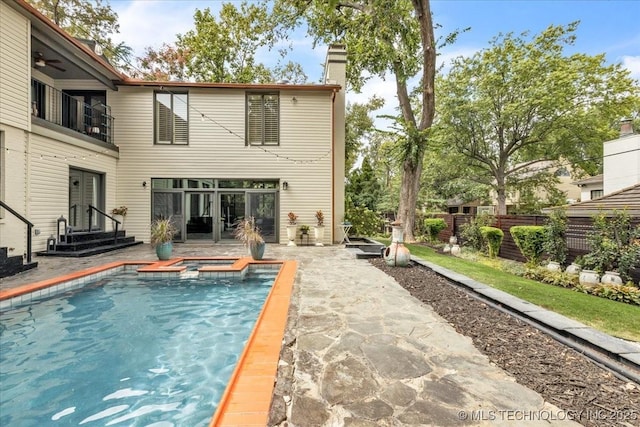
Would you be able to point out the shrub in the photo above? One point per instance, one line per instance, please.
(555, 241)
(470, 232)
(530, 241)
(623, 293)
(614, 244)
(364, 221)
(556, 278)
(493, 237)
(434, 226)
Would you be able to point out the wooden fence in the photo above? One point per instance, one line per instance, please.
(577, 230)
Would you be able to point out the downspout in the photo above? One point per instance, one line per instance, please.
(333, 163)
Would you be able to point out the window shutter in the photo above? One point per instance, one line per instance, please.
(271, 113)
(163, 118)
(180, 119)
(254, 117)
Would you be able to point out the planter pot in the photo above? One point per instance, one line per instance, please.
(574, 269)
(118, 218)
(397, 255)
(291, 234)
(611, 278)
(446, 249)
(455, 250)
(554, 266)
(589, 278)
(257, 250)
(318, 232)
(164, 251)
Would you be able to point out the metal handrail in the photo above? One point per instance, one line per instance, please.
(93, 208)
(57, 107)
(28, 224)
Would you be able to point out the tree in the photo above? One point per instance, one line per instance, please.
(383, 37)
(363, 187)
(88, 19)
(520, 102)
(223, 48)
(360, 126)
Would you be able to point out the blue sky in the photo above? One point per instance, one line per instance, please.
(609, 27)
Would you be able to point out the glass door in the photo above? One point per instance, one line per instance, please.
(167, 204)
(85, 188)
(232, 209)
(199, 213)
(262, 206)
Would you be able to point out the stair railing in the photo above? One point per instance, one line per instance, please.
(93, 208)
(28, 224)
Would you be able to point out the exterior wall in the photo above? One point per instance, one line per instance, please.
(217, 150)
(14, 68)
(335, 72)
(14, 123)
(585, 191)
(51, 156)
(621, 163)
(13, 188)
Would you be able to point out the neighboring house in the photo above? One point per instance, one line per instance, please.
(75, 132)
(565, 185)
(621, 165)
(627, 199)
(621, 160)
(590, 188)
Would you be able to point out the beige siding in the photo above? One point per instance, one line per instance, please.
(14, 68)
(50, 161)
(13, 161)
(217, 150)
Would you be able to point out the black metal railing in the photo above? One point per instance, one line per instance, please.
(54, 106)
(94, 209)
(27, 223)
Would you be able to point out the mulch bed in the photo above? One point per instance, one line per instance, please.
(590, 394)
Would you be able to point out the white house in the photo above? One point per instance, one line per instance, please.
(621, 160)
(76, 132)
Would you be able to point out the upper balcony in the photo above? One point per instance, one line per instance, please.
(83, 111)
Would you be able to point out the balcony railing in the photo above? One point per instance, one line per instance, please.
(68, 111)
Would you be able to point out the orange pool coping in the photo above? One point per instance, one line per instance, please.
(247, 398)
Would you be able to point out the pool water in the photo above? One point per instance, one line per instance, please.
(126, 351)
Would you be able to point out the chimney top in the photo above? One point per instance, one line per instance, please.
(626, 127)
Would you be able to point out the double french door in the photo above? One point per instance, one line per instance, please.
(85, 188)
(214, 215)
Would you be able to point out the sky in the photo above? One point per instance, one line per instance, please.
(606, 26)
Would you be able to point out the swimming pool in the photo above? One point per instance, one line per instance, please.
(132, 351)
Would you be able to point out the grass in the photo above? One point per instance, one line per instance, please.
(615, 318)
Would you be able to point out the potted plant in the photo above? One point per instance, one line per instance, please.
(162, 232)
(319, 228)
(291, 228)
(119, 214)
(249, 234)
(304, 229)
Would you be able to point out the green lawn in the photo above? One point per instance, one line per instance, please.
(615, 318)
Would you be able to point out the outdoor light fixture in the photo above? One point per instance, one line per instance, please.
(285, 185)
(144, 184)
(294, 100)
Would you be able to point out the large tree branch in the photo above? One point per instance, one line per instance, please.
(423, 12)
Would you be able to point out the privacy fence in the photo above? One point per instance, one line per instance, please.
(577, 230)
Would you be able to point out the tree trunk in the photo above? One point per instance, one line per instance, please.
(501, 192)
(409, 197)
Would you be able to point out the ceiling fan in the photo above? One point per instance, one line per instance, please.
(40, 61)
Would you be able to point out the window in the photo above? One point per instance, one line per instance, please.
(171, 118)
(263, 117)
(596, 193)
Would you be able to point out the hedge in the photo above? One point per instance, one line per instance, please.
(530, 240)
(434, 226)
(493, 237)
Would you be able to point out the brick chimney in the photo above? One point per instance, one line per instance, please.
(626, 127)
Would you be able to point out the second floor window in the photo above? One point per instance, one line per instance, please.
(263, 119)
(171, 118)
